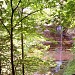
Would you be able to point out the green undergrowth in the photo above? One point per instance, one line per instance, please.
(70, 68)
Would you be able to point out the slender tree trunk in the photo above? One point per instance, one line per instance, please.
(0, 60)
(1, 48)
(22, 45)
(22, 53)
(0, 67)
(11, 40)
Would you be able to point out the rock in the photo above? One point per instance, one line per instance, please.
(46, 42)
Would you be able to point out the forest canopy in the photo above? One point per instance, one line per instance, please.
(22, 23)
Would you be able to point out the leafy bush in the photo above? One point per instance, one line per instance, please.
(70, 68)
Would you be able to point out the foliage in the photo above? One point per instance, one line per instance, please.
(67, 14)
(33, 17)
(70, 68)
(73, 48)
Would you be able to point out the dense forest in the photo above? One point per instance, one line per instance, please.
(22, 25)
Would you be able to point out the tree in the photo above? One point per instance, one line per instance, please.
(10, 27)
(35, 14)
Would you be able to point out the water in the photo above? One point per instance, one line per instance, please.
(57, 68)
(61, 46)
(59, 63)
(52, 74)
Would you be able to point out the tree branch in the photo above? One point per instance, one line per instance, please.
(5, 27)
(26, 17)
(17, 4)
(11, 3)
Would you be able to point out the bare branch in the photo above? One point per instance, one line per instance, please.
(5, 27)
(17, 4)
(26, 17)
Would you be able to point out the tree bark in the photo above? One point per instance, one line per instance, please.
(22, 52)
(0, 67)
(11, 39)
(22, 44)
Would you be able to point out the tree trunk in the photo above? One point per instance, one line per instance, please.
(11, 40)
(22, 45)
(22, 53)
(0, 66)
(0, 60)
